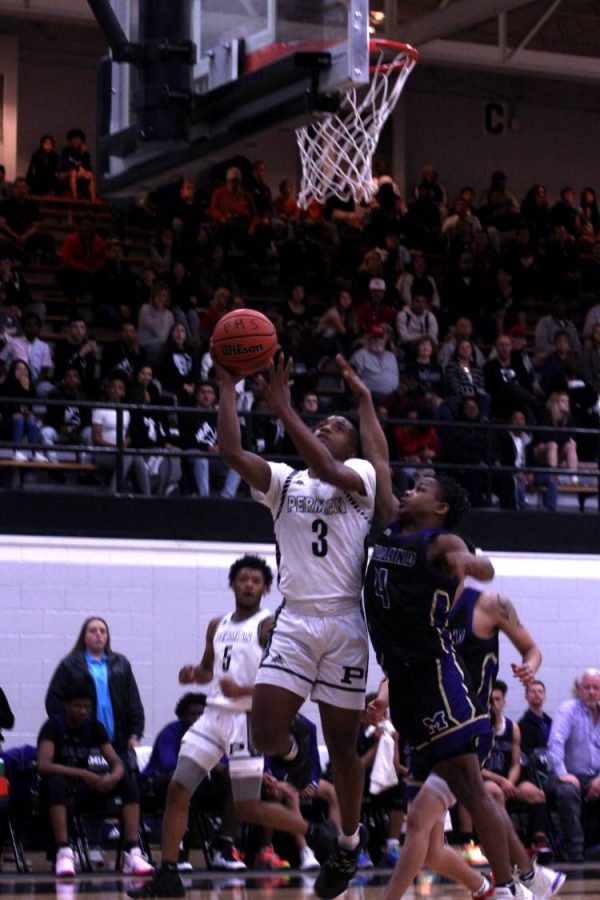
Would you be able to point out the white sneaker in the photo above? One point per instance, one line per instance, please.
(308, 860)
(546, 882)
(185, 866)
(21, 456)
(228, 858)
(135, 863)
(65, 863)
(40, 457)
(517, 892)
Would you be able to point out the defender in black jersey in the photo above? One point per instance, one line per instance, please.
(410, 588)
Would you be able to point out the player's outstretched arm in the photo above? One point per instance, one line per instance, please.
(373, 442)
(506, 619)
(204, 671)
(314, 453)
(451, 552)
(254, 470)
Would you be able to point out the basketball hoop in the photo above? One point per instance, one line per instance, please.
(336, 152)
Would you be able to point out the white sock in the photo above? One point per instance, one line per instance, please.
(484, 887)
(349, 841)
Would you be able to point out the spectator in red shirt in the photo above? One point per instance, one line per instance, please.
(83, 254)
(232, 208)
(373, 311)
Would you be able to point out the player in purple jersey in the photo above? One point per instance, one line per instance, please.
(430, 702)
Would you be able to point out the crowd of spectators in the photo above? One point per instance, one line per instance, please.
(452, 310)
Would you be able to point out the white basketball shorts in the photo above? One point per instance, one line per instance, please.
(325, 657)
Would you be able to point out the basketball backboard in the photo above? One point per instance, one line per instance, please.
(190, 78)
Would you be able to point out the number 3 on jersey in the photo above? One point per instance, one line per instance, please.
(319, 529)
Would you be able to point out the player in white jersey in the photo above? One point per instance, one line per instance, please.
(234, 646)
(322, 517)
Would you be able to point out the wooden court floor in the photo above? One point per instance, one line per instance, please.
(583, 882)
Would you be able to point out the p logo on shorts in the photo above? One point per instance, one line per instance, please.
(437, 723)
(353, 673)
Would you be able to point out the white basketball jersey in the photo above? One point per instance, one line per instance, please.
(321, 533)
(237, 655)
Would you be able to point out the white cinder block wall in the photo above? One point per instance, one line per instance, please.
(158, 598)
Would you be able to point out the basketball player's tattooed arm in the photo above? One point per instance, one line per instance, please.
(317, 456)
(253, 468)
(452, 554)
(373, 442)
(507, 620)
(203, 672)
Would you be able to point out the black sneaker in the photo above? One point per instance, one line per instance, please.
(164, 883)
(321, 838)
(298, 769)
(339, 869)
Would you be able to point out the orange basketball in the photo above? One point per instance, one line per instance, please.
(243, 341)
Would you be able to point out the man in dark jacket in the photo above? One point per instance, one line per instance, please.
(535, 723)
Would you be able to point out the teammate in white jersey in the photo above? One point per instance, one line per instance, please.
(234, 646)
(322, 517)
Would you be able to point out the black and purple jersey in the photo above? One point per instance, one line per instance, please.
(407, 600)
(479, 655)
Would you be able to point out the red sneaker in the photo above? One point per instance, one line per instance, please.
(266, 858)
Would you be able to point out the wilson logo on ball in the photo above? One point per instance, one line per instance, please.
(240, 349)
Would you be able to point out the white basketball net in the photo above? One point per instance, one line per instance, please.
(336, 151)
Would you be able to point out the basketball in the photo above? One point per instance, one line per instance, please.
(243, 341)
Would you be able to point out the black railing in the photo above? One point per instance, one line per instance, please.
(174, 414)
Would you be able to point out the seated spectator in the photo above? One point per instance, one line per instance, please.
(76, 166)
(105, 431)
(375, 365)
(422, 224)
(36, 353)
(388, 213)
(144, 285)
(162, 252)
(266, 434)
(503, 776)
(124, 354)
(220, 303)
(561, 265)
(415, 444)
(65, 743)
(535, 211)
(5, 186)
(464, 378)
(42, 174)
(548, 325)
(512, 449)
(464, 291)
(499, 209)
(199, 432)
(460, 227)
(574, 759)
(371, 266)
(14, 290)
(286, 211)
(68, 423)
(523, 260)
(590, 361)
(374, 311)
(418, 281)
(165, 750)
(232, 210)
(518, 336)
(592, 318)
(114, 288)
(557, 447)
(392, 800)
(463, 328)
(157, 475)
(295, 316)
(426, 376)
(184, 298)
(155, 322)
(19, 226)
(564, 211)
(184, 213)
(84, 254)
(469, 445)
(535, 724)
(78, 351)
(17, 413)
(509, 384)
(337, 329)
(561, 367)
(429, 186)
(217, 273)
(179, 369)
(261, 192)
(587, 223)
(414, 322)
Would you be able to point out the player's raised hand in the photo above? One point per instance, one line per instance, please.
(358, 387)
(187, 674)
(523, 672)
(277, 386)
(224, 377)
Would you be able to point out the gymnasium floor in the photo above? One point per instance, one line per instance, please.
(583, 882)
